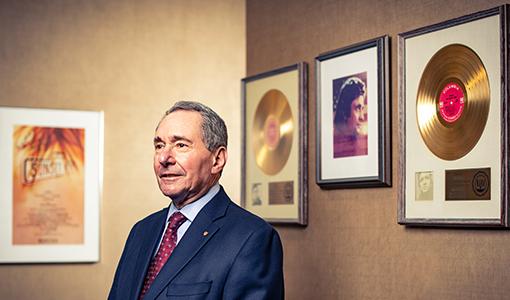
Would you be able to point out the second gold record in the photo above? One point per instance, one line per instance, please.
(272, 132)
(452, 104)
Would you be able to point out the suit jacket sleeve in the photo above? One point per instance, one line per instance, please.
(114, 292)
(257, 272)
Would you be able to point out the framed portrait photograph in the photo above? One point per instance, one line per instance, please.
(354, 116)
(274, 151)
(453, 93)
(50, 185)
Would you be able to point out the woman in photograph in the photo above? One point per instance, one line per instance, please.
(350, 119)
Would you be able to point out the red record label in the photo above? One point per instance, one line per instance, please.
(272, 132)
(451, 102)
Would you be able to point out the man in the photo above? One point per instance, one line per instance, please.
(216, 250)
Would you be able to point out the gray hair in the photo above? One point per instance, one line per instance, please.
(214, 130)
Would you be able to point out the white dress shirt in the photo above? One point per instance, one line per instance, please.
(190, 211)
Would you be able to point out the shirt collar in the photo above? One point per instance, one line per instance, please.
(191, 210)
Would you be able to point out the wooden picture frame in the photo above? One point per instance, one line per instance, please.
(354, 116)
(274, 149)
(464, 186)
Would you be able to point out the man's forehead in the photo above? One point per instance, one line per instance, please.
(185, 127)
(186, 114)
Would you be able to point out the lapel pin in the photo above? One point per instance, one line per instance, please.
(205, 233)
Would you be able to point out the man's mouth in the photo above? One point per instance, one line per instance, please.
(168, 175)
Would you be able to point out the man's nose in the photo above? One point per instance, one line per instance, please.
(166, 157)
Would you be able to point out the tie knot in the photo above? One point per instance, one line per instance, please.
(176, 220)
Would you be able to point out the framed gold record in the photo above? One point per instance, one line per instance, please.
(453, 90)
(274, 167)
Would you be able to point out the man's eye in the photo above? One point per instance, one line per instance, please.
(180, 145)
(158, 146)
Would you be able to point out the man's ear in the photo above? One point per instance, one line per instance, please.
(219, 160)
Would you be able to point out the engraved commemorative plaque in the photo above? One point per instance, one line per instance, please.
(281, 192)
(468, 184)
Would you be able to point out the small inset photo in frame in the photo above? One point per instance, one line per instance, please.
(256, 199)
(424, 186)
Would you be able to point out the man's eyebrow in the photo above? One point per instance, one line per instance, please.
(174, 138)
(157, 140)
(180, 138)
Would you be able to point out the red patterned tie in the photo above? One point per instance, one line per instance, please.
(165, 250)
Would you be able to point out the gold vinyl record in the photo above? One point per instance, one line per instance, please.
(453, 100)
(272, 131)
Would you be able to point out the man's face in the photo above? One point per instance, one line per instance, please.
(182, 162)
(255, 191)
(424, 181)
(358, 117)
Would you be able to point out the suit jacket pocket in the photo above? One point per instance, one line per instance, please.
(188, 289)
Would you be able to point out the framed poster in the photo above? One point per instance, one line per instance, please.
(454, 122)
(274, 163)
(50, 185)
(354, 116)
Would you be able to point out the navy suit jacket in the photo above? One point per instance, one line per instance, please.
(226, 253)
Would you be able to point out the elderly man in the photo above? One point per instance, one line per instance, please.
(203, 246)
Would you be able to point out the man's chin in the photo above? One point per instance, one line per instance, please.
(177, 198)
(173, 195)
(178, 203)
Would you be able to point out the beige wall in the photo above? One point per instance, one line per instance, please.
(132, 60)
(353, 247)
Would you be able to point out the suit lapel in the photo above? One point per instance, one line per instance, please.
(191, 243)
(147, 248)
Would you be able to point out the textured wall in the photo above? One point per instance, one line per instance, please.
(353, 247)
(131, 59)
